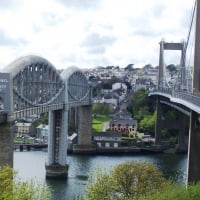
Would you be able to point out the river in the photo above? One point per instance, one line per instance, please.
(30, 165)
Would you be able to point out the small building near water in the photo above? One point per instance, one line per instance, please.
(42, 132)
(107, 139)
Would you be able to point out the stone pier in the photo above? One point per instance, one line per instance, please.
(84, 131)
(56, 166)
(6, 144)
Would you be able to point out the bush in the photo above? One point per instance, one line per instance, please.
(175, 192)
(13, 189)
(129, 180)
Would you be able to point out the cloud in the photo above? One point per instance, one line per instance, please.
(91, 32)
(6, 40)
(81, 4)
(95, 39)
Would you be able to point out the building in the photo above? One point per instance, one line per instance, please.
(107, 139)
(42, 132)
(22, 128)
(125, 126)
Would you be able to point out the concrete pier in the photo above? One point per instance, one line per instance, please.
(6, 144)
(85, 131)
(56, 171)
(56, 166)
(194, 135)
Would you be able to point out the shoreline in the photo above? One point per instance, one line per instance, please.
(88, 150)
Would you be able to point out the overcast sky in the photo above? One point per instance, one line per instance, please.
(90, 33)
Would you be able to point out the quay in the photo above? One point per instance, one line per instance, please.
(98, 151)
(29, 146)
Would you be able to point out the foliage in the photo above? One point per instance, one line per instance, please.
(100, 108)
(172, 69)
(140, 104)
(192, 192)
(147, 124)
(13, 189)
(142, 109)
(42, 120)
(129, 180)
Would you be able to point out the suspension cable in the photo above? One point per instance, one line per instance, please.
(191, 23)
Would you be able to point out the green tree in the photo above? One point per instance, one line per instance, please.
(100, 109)
(129, 180)
(42, 120)
(140, 104)
(12, 188)
(147, 124)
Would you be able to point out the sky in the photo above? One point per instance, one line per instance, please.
(90, 33)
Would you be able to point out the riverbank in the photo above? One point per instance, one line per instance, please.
(128, 150)
(103, 150)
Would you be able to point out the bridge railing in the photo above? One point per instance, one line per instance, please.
(193, 98)
(187, 96)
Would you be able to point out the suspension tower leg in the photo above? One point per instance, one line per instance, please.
(194, 149)
(56, 166)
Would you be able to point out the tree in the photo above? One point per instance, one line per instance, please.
(129, 180)
(100, 108)
(13, 189)
(172, 69)
(42, 120)
(140, 104)
(147, 124)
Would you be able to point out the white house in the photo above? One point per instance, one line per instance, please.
(107, 139)
(116, 86)
(42, 132)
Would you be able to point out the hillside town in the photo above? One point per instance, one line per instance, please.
(112, 86)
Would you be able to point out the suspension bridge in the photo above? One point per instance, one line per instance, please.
(183, 95)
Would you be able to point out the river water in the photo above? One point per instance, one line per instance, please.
(31, 165)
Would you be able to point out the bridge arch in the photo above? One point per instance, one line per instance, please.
(35, 82)
(37, 87)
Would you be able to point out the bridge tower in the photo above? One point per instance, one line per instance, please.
(170, 46)
(194, 136)
(161, 81)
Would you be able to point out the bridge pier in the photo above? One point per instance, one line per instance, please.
(56, 166)
(84, 131)
(6, 144)
(159, 114)
(194, 149)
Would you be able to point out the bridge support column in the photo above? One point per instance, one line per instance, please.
(84, 131)
(56, 166)
(158, 122)
(73, 116)
(6, 144)
(194, 149)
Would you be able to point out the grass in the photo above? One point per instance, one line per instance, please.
(97, 122)
(23, 140)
